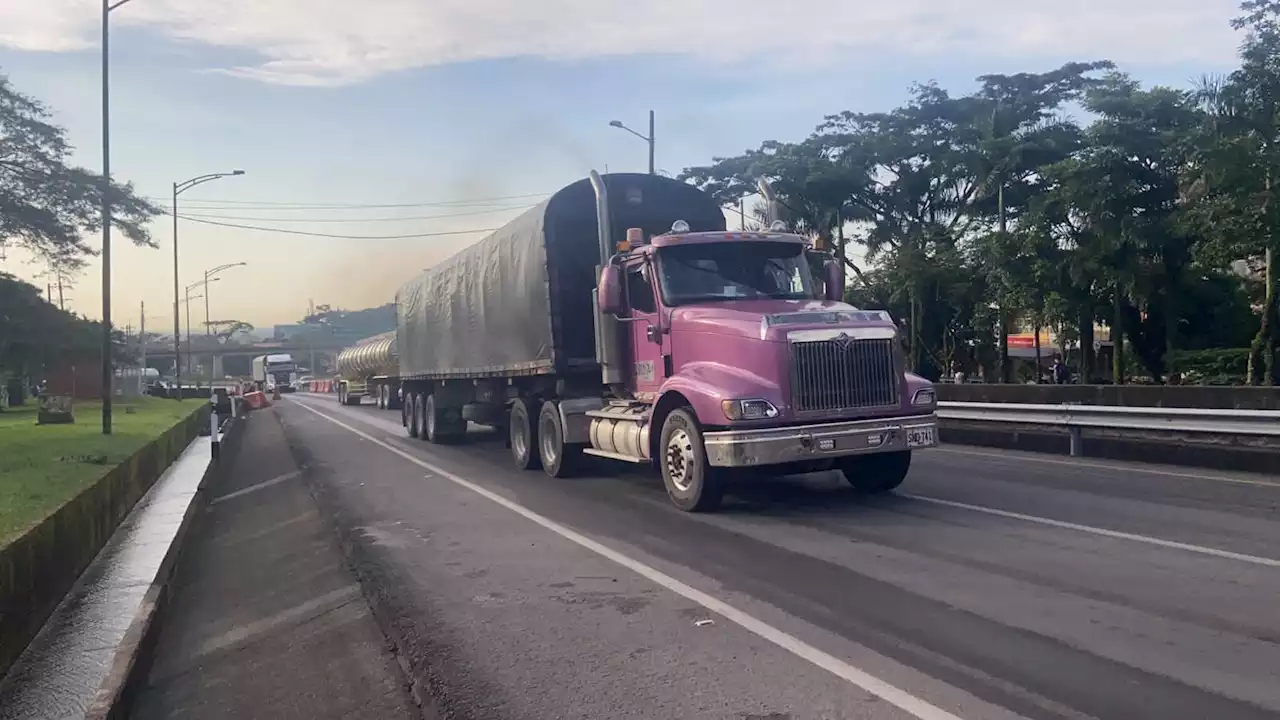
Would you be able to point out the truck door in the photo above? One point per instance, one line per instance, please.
(649, 345)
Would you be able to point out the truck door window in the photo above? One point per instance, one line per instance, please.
(640, 290)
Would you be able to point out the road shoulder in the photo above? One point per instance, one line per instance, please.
(265, 619)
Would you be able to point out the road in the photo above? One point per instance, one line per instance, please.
(994, 585)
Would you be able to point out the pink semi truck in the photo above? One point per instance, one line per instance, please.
(620, 319)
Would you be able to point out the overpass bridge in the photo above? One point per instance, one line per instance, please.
(238, 359)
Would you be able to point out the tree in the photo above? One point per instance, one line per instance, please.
(36, 336)
(224, 330)
(1233, 182)
(45, 204)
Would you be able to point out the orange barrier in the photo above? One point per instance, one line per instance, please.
(256, 400)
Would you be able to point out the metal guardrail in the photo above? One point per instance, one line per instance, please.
(1258, 423)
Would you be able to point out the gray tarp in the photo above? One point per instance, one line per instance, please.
(519, 301)
(483, 311)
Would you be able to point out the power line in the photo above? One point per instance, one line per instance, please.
(330, 235)
(273, 205)
(354, 220)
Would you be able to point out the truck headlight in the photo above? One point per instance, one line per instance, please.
(927, 396)
(755, 409)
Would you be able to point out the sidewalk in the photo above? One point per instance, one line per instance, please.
(265, 620)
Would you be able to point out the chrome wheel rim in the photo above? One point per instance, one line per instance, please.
(519, 442)
(547, 431)
(680, 460)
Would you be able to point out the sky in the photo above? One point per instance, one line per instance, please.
(450, 116)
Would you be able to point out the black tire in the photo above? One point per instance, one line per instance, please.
(879, 473)
(559, 459)
(381, 400)
(411, 412)
(692, 484)
(342, 396)
(523, 436)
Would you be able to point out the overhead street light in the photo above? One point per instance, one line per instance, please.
(108, 369)
(209, 275)
(178, 189)
(649, 139)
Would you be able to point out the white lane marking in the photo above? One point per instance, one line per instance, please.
(1200, 549)
(917, 707)
(1019, 457)
(255, 488)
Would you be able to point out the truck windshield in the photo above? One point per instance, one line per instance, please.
(734, 271)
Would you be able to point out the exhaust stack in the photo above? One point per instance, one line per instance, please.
(608, 338)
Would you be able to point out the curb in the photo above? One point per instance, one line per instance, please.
(132, 660)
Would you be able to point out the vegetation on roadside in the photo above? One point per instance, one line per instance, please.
(48, 207)
(44, 466)
(993, 212)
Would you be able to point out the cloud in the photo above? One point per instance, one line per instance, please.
(336, 42)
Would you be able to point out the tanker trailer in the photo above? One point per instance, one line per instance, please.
(370, 368)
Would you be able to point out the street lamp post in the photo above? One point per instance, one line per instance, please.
(208, 277)
(178, 189)
(108, 369)
(187, 302)
(649, 139)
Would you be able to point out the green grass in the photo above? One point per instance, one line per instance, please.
(44, 466)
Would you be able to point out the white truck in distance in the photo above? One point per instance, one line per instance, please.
(277, 371)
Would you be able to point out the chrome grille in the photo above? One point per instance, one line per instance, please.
(843, 374)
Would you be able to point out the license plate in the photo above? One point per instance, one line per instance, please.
(920, 437)
(827, 444)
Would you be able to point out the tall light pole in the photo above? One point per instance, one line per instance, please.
(178, 189)
(208, 276)
(108, 369)
(649, 139)
(187, 302)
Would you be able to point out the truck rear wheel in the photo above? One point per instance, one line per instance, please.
(411, 413)
(381, 400)
(523, 436)
(877, 473)
(692, 484)
(559, 459)
(439, 426)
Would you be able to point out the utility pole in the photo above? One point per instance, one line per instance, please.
(142, 336)
(61, 305)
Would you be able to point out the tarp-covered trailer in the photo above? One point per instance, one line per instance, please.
(619, 319)
(518, 304)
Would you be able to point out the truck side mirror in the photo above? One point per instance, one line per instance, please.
(834, 276)
(610, 290)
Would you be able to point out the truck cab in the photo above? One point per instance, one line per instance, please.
(743, 357)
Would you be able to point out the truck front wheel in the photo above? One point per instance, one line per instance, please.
(523, 436)
(877, 473)
(692, 484)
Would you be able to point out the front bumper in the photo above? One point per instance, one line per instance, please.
(777, 446)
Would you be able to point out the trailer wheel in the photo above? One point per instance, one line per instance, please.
(559, 459)
(380, 401)
(879, 473)
(523, 436)
(692, 484)
(411, 412)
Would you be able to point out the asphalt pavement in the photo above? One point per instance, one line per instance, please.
(992, 585)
